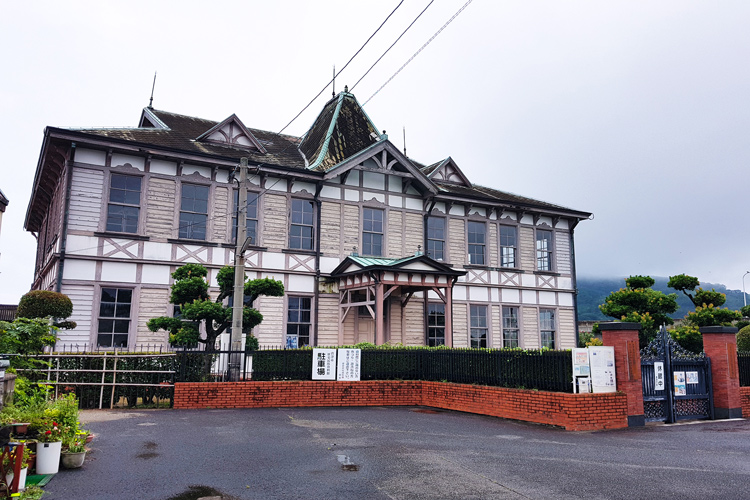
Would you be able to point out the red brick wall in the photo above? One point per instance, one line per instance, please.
(745, 399)
(627, 366)
(571, 411)
(722, 349)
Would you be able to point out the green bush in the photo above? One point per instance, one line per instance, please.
(689, 337)
(743, 339)
(43, 304)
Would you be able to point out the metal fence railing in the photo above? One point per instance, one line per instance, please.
(108, 380)
(743, 362)
(542, 370)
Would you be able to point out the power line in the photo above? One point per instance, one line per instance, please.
(420, 50)
(394, 43)
(342, 69)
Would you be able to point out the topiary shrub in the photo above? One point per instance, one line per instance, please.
(46, 304)
(743, 339)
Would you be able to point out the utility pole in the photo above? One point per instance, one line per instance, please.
(238, 298)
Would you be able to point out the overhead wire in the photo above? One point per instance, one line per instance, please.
(342, 69)
(420, 50)
(394, 43)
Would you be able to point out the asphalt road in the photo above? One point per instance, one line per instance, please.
(396, 453)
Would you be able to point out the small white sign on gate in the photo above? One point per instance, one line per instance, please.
(658, 376)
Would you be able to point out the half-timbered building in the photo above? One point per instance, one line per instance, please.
(371, 245)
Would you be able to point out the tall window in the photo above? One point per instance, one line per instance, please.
(547, 327)
(372, 232)
(114, 317)
(298, 322)
(301, 228)
(436, 238)
(476, 242)
(510, 327)
(543, 250)
(252, 217)
(508, 244)
(193, 212)
(124, 203)
(435, 325)
(478, 317)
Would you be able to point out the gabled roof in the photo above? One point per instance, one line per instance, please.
(447, 171)
(355, 264)
(3, 201)
(340, 131)
(179, 132)
(232, 132)
(397, 160)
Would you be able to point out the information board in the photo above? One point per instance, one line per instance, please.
(324, 364)
(349, 364)
(581, 370)
(658, 375)
(602, 362)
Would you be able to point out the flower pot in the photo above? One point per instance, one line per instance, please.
(73, 460)
(21, 479)
(48, 457)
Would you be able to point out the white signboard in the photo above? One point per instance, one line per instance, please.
(324, 364)
(679, 384)
(581, 362)
(602, 362)
(349, 364)
(658, 376)
(691, 377)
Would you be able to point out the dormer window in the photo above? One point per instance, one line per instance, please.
(232, 132)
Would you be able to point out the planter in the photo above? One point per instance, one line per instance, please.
(73, 460)
(48, 457)
(21, 479)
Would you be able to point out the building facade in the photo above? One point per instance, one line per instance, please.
(370, 245)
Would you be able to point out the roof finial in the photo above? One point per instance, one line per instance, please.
(333, 89)
(346, 89)
(404, 140)
(151, 100)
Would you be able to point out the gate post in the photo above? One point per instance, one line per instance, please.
(720, 345)
(624, 338)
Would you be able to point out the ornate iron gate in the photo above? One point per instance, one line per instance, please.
(667, 397)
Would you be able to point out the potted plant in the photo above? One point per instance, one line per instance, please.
(8, 466)
(75, 452)
(48, 448)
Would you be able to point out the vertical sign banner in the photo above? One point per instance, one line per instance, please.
(602, 361)
(679, 384)
(658, 376)
(349, 364)
(324, 364)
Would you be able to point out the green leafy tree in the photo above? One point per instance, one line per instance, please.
(47, 304)
(743, 339)
(707, 311)
(190, 293)
(26, 336)
(640, 303)
(745, 311)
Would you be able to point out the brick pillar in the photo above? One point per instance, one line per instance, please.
(624, 338)
(720, 344)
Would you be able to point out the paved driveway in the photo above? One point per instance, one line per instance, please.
(397, 453)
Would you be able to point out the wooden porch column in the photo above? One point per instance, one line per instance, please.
(379, 326)
(449, 314)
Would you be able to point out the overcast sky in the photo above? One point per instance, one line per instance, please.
(636, 111)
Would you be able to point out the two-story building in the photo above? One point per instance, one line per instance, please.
(370, 244)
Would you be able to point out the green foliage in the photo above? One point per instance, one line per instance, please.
(745, 310)
(689, 337)
(741, 324)
(46, 304)
(190, 291)
(743, 339)
(639, 281)
(684, 283)
(708, 315)
(641, 304)
(26, 336)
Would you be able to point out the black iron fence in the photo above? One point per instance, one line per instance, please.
(530, 369)
(743, 362)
